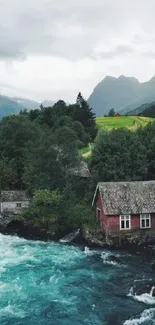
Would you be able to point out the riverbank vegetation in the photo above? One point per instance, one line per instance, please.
(41, 151)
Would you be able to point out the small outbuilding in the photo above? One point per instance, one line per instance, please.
(116, 115)
(12, 202)
(125, 206)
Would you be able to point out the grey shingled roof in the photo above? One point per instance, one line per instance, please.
(8, 196)
(82, 170)
(127, 197)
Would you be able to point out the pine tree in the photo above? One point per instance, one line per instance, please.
(85, 115)
(111, 112)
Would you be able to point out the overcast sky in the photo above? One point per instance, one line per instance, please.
(51, 49)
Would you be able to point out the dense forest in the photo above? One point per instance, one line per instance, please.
(40, 150)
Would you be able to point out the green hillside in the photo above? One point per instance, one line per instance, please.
(109, 123)
(130, 122)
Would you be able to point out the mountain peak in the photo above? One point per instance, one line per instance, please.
(109, 78)
(121, 93)
(122, 77)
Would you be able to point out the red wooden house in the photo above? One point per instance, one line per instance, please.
(124, 206)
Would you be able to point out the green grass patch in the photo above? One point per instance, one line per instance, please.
(85, 150)
(109, 123)
(129, 122)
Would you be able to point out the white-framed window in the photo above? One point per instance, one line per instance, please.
(98, 214)
(145, 221)
(18, 205)
(125, 222)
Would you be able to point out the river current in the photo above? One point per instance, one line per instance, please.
(56, 284)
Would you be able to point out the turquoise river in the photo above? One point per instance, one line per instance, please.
(56, 284)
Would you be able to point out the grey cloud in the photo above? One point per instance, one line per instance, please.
(119, 50)
(46, 27)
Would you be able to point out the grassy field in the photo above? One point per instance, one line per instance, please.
(109, 123)
(86, 151)
(130, 122)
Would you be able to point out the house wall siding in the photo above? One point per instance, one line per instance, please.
(103, 218)
(153, 220)
(111, 224)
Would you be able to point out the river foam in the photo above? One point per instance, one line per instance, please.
(148, 316)
(146, 298)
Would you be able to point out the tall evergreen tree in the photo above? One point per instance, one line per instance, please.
(85, 115)
(111, 112)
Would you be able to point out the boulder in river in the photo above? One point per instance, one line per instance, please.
(113, 258)
(143, 286)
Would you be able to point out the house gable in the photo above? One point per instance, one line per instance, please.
(133, 199)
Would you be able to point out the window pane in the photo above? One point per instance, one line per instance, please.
(122, 224)
(147, 223)
(18, 205)
(127, 217)
(143, 223)
(127, 224)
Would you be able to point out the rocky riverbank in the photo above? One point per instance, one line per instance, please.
(135, 241)
(92, 237)
(118, 239)
(30, 231)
